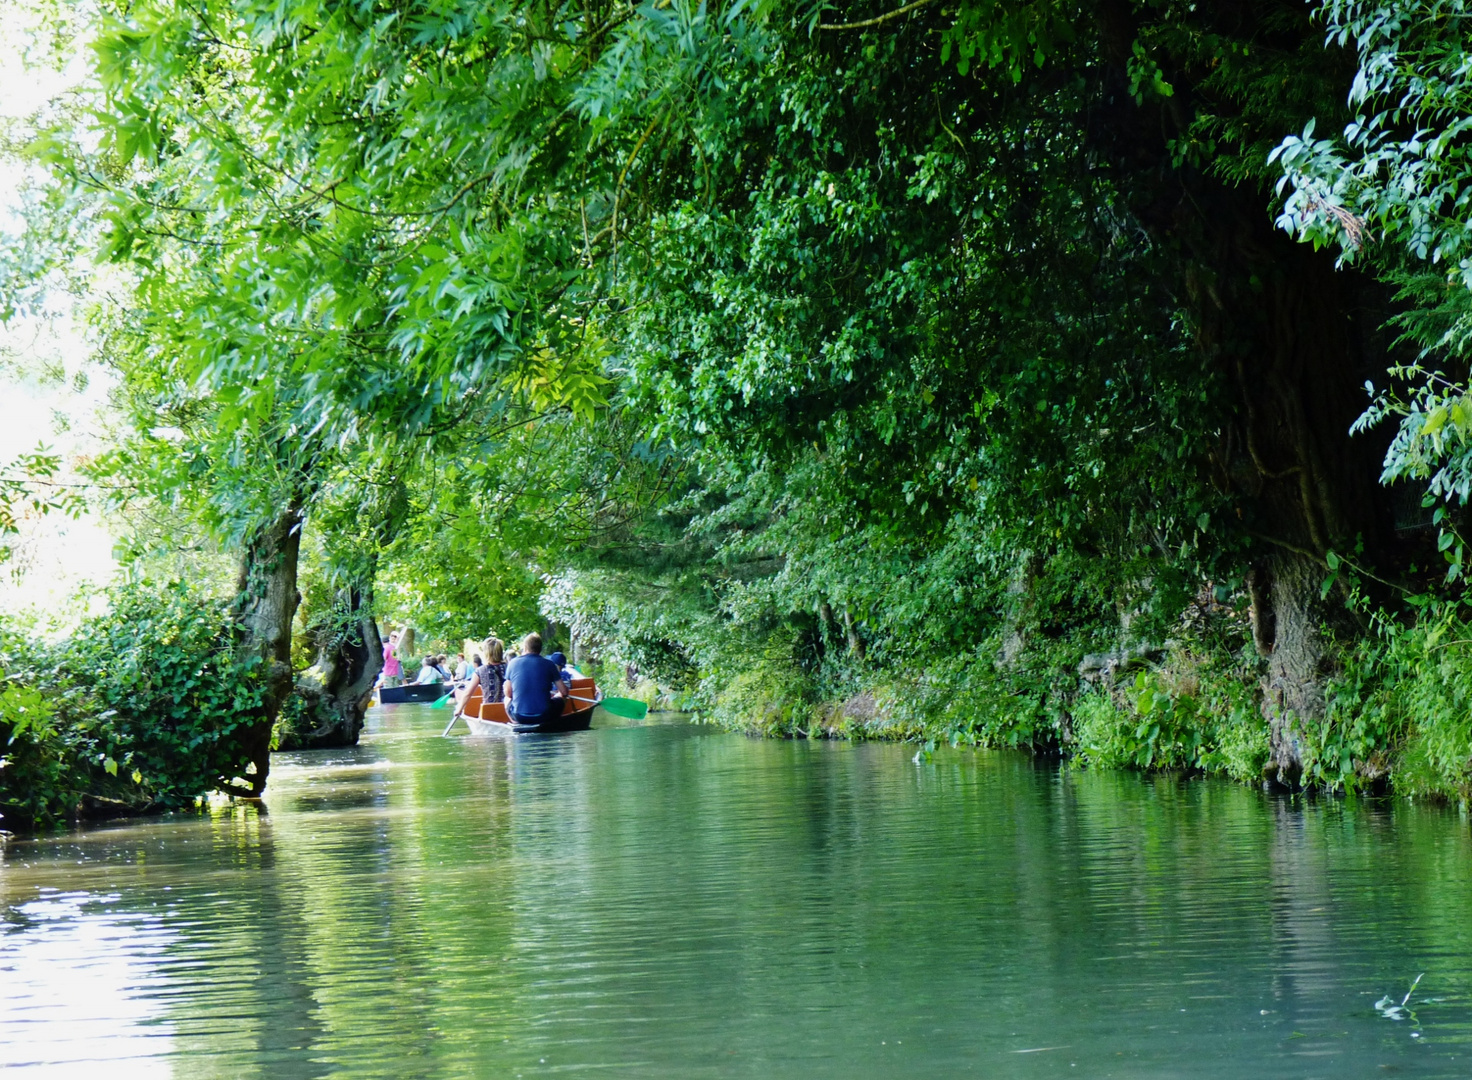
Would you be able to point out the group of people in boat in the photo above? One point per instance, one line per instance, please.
(433, 670)
(533, 687)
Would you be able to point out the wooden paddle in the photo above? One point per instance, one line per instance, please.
(628, 708)
(440, 704)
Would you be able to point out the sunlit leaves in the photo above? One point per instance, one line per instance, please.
(1399, 174)
(146, 705)
(1013, 37)
(30, 486)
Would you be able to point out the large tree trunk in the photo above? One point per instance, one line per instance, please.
(349, 658)
(329, 707)
(266, 602)
(1305, 487)
(1299, 659)
(1295, 340)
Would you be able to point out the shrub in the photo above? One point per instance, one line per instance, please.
(1401, 707)
(37, 777)
(766, 701)
(145, 706)
(968, 699)
(1156, 730)
(1186, 715)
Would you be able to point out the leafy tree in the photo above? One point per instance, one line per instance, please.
(316, 270)
(847, 336)
(1391, 193)
(1050, 269)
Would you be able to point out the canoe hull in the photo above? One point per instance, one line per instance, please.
(413, 693)
(493, 721)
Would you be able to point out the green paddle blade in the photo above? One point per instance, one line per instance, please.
(628, 708)
(440, 704)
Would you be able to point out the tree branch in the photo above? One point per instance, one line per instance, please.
(895, 14)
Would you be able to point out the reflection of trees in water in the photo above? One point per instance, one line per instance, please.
(267, 973)
(1367, 897)
(234, 981)
(652, 899)
(832, 869)
(345, 933)
(1307, 959)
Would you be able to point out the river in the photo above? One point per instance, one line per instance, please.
(663, 900)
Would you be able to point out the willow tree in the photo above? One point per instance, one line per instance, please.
(249, 485)
(331, 270)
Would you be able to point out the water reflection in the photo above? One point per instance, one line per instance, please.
(78, 987)
(655, 901)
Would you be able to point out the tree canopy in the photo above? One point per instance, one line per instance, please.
(871, 348)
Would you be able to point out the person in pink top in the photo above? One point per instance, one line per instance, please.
(393, 671)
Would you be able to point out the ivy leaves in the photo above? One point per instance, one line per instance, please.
(145, 705)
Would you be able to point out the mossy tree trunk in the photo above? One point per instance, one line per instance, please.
(266, 603)
(1296, 338)
(349, 658)
(328, 708)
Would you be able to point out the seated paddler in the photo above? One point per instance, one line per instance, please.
(535, 692)
(565, 671)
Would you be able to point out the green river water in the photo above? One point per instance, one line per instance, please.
(663, 900)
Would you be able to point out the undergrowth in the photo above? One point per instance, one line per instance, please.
(1397, 717)
(145, 707)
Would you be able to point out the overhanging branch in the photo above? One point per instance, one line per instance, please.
(895, 14)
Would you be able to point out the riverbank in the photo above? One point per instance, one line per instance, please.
(1396, 717)
(158, 731)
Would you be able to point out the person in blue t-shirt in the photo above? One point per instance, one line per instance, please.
(535, 691)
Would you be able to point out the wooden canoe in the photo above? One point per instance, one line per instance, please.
(416, 692)
(489, 718)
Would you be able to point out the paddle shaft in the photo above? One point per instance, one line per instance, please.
(453, 718)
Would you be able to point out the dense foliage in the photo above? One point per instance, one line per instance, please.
(931, 371)
(142, 707)
(1392, 191)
